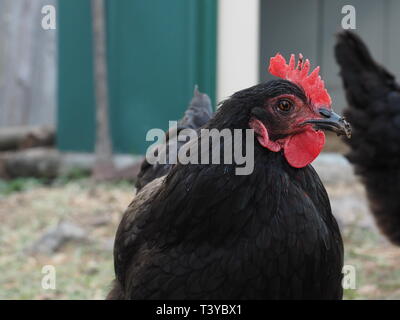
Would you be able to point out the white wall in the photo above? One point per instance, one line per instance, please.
(238, 46)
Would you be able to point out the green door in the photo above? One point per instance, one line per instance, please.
(157, 51)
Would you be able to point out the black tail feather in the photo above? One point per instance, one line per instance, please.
(363, 77)
(198, 112)
(196, 115)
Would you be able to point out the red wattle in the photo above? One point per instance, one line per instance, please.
(301, 149)
(263, 136)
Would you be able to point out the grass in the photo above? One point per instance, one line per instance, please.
(377, 265)
(20, 184)
(84, 270)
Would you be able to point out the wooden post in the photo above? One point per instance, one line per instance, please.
(104, 167)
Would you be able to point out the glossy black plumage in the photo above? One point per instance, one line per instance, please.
(373, 96)
(203, 232)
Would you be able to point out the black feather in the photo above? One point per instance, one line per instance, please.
(374, 112)
(203, 232)
(196, 115)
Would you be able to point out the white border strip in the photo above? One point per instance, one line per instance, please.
(238, 46)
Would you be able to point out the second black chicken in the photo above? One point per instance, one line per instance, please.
(374, 112)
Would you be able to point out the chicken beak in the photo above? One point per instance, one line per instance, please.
(331, 121)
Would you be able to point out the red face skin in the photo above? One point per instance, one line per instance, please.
(285, 129)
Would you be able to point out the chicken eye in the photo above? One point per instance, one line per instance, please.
(285, 105)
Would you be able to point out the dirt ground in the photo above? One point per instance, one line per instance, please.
(84, 267)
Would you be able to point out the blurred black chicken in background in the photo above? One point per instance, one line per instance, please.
(373, 96)
(197, 114)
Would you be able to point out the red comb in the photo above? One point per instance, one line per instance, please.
(312, 83)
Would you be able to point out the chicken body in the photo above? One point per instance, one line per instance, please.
(374, 111)
(203, 232)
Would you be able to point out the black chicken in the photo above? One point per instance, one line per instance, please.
(203, 232)
(374, 111)
(197, 114)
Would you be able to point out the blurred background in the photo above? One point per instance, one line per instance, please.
(138, 62)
